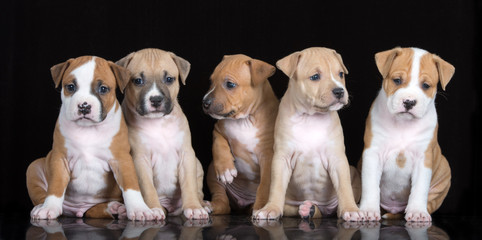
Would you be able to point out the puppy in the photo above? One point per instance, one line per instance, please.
(89, 168)
(169, 173)
(310, 171)
(403, 169)
(245, 105)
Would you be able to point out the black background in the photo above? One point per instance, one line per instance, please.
(35, 35)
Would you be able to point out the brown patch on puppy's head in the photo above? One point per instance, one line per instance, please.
(88, 88)
(235, 84)
(317, 77)
(153, 87)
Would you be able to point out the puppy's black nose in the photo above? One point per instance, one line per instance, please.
(155, 101)
(207, 103)
(84, 108)
(338, 92)
(409, 104)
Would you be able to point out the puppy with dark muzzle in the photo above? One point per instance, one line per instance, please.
(170, 175)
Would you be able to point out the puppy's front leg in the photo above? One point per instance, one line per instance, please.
(262, 193)
(58, 177)
(146, 183)
(340, 176)
(417, 202)
(191, 204)
(125, 175)
(280, 176)
(223, 159)
(371, 173)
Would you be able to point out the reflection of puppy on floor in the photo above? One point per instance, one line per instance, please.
(170, 175)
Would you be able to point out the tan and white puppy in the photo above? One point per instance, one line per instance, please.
(402, 167)
(310, 167)
(89, 168)
(246, 106)
(169, 173)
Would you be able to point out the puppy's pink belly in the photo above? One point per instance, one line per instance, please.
(393, 206)
(241, 193)
(172, 205)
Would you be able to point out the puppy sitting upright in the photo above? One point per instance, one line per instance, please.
(246, 106)
(169, 173)
(90, 150)
(402, 167)
(311, 175)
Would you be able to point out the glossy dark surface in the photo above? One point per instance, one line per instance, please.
(240, 227)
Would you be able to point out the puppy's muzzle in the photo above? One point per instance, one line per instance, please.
(84, 108)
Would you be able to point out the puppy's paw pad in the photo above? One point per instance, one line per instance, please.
(307, 209)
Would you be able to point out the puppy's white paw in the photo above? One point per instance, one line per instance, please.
(197, 213)
(371, 214)
(268, 212)
(43, 211)
(418, 216)
(227, 176)
(140, 213)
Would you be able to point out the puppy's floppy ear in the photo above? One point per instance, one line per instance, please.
(338, 56)
(445, 70)
(385, 59)
(121, 74)
(259, 71)
(57, 71)
(289, 63)
(124, 62)
(183, 65)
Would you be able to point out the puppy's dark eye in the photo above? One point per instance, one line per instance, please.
(138, 81)
(341, 74)
(315, 77)
(230, 85)
(70, 87)
(169, 79)
(397, 81)
(425, 86)
(103, 90)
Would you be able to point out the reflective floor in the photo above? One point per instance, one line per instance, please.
(241, 227)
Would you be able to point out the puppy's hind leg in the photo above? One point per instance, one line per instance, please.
(219, 198)
(37, 182)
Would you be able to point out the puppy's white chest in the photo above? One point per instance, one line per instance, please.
(309, 132)
(243, 132)
(88, 154)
